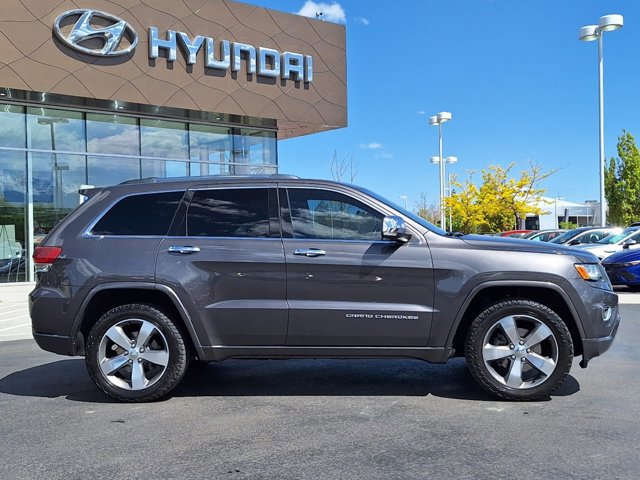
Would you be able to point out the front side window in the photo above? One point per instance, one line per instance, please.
(332, 215)
(241, 212)
(145, 214)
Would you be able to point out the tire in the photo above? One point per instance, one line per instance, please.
(519, 350)
(127, 370)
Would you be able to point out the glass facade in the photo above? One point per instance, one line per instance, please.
(47, 155)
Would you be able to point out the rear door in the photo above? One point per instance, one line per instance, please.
(345, 285)
(226, 260)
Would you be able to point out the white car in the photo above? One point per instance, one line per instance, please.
(613, 243)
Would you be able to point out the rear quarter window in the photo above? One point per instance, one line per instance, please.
(143, 214)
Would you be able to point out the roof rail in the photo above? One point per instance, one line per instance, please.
(138, 181)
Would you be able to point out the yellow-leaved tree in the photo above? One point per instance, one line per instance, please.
(500, 202)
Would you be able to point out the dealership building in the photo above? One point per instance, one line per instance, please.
(99, 92)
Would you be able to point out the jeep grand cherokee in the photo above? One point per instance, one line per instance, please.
(147, 276)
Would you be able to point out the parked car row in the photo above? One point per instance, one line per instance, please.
(617, 248)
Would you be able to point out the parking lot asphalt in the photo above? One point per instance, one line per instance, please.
(325, 419)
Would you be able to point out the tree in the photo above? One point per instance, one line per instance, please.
(343, 168)
(568, 225)
(622, 182)
(501, 202)
(426, 210)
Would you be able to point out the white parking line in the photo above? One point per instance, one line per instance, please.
(16, 336)
(11, 319)
(14, 310)
(15, 326)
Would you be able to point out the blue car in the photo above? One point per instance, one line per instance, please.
(623, 267)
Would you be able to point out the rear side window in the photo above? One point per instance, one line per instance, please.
(241, 212)
(145, 214)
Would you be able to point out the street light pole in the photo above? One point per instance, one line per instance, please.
(438, 120)
(589, 33)
(436, 160)
(603, 198)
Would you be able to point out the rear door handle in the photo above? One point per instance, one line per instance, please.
(183, 249)
(309, 252)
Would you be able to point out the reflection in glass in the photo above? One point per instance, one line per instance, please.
(12, 176)
(104, 171)
(12, 217)
(116, 134)
(254, 149)
(165, 139)
(50, 129)
(229, 213)
(332, 215)
(209, 144)
(163, 168)
(57, 179)
(12, 126)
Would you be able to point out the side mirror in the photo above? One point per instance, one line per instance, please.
(628, 243)
(575, 242)
(394, 228)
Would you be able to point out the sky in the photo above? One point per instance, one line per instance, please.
(519, 84)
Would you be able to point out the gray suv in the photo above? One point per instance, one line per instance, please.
(147, 276)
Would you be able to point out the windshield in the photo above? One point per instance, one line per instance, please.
(617, 237)
(416, 218)
(566, 236)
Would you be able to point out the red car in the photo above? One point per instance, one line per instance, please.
(515, 233)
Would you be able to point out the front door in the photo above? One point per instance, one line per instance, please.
(345, 285)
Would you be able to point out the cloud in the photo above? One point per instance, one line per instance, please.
(363, 21)
(421, 112)
(331, 12)
(371, 146)
(386, 156)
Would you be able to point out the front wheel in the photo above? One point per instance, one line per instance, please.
(519, 350)
(135, 353)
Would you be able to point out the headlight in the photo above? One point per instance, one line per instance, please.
(589, 272)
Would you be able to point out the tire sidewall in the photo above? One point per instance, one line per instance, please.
(487, 320)
(176, 366)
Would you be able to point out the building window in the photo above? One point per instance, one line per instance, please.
(50, 129)
(210, 150)
(254, 152)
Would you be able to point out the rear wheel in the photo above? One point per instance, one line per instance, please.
(519, 350)
(135, 353)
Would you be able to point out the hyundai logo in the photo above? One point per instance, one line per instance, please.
(96, 33)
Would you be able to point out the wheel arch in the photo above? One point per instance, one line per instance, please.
(487, 294)
(104, 297)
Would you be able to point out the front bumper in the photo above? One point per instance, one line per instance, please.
(594, 347)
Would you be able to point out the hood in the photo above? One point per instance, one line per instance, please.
(522, 245)
(589, 246)
(628, 255)
(602, 250)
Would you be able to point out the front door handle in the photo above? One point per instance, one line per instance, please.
(183, 249)
(309, 252)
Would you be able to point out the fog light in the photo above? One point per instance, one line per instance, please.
(607, 312)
